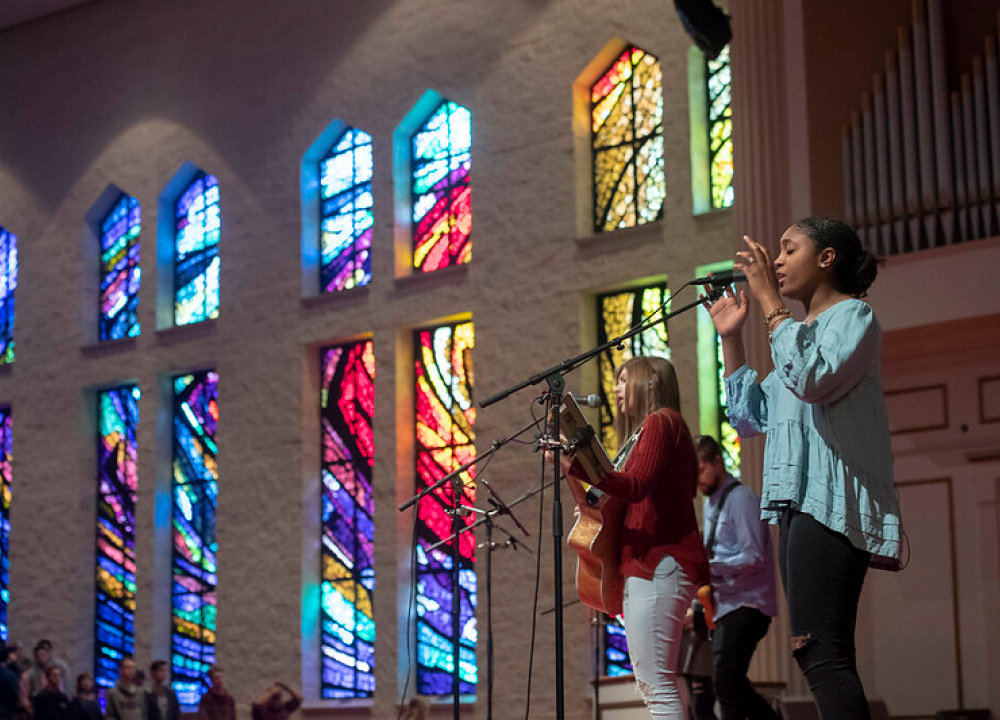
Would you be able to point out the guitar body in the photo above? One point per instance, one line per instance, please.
(596, 534)
(596, 539)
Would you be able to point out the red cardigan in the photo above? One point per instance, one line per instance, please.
(658, 483)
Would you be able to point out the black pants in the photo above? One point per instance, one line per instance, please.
(733, 644)
(702, 697)
(823, 575)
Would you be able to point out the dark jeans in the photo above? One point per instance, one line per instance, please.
(823, 575)
(733, 644)
(702, 697)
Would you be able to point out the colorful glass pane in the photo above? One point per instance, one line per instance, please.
(445, 416)
(6, 441)
(114, 613)
(196, 251)
(346, 212)
(442, 210)
(195, 491)
(120, 274)
(8, 284)
(725, 434)
(347, 573)
(720, 130)
(627, 142)
(616, 313)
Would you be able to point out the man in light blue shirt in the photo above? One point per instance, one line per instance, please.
(743, 582)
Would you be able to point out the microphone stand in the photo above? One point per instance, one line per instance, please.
(457, 512)
(555, 378)
(499, 508)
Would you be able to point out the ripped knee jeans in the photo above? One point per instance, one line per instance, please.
(823, 575)
(653, 617)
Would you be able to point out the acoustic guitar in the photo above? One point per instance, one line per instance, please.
(595, 535)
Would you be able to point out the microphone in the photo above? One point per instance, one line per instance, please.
(726, 277)
(591, 401)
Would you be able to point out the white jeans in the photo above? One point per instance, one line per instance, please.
(653, 617)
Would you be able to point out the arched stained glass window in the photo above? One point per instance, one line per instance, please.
(720, 129)
(445, 416)
(120, 272)
(616, 313)
(194, 576)
(114, 613)
(198, 226)
(6, 441)
(347, 572)
(627, 142)
(346, 212)
(442, 210)
(8, 284)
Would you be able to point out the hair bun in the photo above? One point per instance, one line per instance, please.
(864, 274)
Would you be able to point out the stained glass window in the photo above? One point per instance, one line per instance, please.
(5, 480)
(196, 251)
(195, 490)
(347, 573)
(720, 130)
(627, 126)
(616, 313)
(114, 627)
(346, 212)
(442, 212)
(712, 402)
(120, 270)
(8, 284)
(445, 417)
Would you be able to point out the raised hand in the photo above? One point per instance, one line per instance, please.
(728, 313)
(757, 265)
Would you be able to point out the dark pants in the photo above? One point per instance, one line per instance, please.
(733, 644)
(702, 697)
(823, 575)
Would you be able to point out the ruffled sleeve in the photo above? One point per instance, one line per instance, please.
(820, 363)
(747, 403)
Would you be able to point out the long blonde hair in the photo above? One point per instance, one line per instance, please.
(651, 385)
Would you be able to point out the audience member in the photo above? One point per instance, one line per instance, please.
(125, 701)
(85, 705)
(33, 679)
(272, 705)
(10, 693)
(51, 703)
(217, 703)
(161, 700)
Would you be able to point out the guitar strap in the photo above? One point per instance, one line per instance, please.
(710, 543)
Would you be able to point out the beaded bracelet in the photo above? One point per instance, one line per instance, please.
(776, 313)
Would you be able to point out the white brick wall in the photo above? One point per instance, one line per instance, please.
(125, 92)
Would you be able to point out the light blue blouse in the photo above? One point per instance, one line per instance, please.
(828, 451)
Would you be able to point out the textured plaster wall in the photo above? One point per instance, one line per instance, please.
(125, 92)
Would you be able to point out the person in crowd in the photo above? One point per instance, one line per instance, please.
(51, 703)
(272, 705)
(33, 678)
(10, 691)
(417, 709)
(662, 558)
(217, 703)
(161, 700)
(125, 701)
(828, 480)
(85, 705)
(743, 582)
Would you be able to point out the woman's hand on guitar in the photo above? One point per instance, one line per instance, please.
(565, 460)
